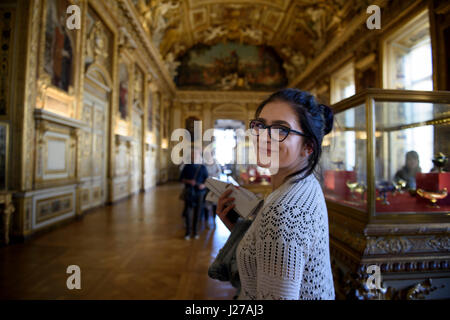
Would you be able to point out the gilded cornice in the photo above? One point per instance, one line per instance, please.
(353, 26)
(407, 244)
(162, 76)
(278, 4)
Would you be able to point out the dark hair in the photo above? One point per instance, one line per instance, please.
(316, 121)
(412, 155)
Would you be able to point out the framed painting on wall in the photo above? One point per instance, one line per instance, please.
(59, 46)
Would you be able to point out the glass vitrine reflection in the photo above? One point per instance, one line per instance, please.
(409, 137)
(388, 153)
(344, 159)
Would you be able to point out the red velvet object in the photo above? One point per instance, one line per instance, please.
(434, 182)
(336, 182)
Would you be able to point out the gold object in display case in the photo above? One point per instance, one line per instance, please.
(400, 185)
(356, 187)
(386, 139)
(440, 161)
(352, 185)
(433, 196)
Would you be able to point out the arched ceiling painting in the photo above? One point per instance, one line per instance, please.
(297, 30)
(230, 66)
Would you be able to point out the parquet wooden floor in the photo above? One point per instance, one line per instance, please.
(132, 250)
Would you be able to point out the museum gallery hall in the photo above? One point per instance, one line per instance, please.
(101, 101)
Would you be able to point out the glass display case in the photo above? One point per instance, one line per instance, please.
(387, 154)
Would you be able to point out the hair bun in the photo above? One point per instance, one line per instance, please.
(328, 117)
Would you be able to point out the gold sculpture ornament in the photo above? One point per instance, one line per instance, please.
(432, 196)
(400, 184)
(440, 161)
(352, 186)
(356, 187)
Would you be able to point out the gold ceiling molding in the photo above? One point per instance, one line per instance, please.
(356, 23)
(280, 4)
(221, 96)
(161, 75)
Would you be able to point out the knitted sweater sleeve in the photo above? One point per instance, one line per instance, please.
(282, 245)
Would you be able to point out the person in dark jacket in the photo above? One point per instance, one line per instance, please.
(194, 177)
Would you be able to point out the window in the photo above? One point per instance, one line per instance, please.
(342, 83)
(408, 59)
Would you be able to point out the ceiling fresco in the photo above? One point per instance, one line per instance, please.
(230, 66)
(297, 30)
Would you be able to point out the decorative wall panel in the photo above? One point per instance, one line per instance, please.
(52, 205)
(56, 142)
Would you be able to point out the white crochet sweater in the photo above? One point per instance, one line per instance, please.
(285, 253)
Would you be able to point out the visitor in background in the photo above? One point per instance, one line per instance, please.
(409, 170)
(194, 177)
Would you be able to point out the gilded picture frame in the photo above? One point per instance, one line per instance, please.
(59, 56)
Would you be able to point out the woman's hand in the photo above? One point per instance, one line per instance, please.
(224, 205)
(192, 182)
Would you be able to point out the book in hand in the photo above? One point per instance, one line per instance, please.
(246, 202)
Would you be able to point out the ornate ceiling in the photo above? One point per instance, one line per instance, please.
(297, 29)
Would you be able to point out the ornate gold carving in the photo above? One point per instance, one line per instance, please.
(27, 148)
(97, 43)
(53, 99)
(7, 210)
(353, 285)
(126, 42)
(404, 244)
(389, 245)
(439, 243)
(132, 23)
(138, 95)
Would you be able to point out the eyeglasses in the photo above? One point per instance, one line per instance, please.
(283, 131)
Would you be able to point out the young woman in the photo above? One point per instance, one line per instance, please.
(285, 252)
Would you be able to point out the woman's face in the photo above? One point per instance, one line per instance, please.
(412, 163)
(292, 153)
